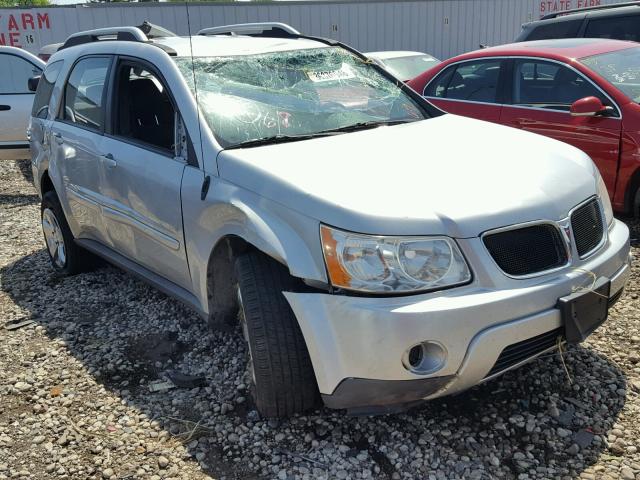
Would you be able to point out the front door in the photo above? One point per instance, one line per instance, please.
(471, 89)
(15, 105)
(542, 96)
(143, 174)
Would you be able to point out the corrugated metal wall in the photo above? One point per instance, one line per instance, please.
(441, 27)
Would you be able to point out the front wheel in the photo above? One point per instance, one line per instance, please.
(282, 377)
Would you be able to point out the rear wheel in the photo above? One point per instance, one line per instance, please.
(66, 256)
(282, 377)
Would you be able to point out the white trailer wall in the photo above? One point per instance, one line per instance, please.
(441, 27)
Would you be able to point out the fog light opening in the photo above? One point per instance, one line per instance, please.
(416, 355)
(424, 358)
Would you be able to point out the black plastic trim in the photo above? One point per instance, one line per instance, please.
(368, 394)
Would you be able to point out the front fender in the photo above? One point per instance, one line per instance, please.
(282, 233)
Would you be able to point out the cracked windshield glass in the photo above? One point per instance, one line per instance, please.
(296, 93)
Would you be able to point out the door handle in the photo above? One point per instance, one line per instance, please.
(109, 161)
(58, 138)
(4, 108)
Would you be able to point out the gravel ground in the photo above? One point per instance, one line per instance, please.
(76, 402)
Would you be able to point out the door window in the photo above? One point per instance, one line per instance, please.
(84, 93)
(550, 85)
(472, 81)
(619, 28)
(45, 87)
(144, 112)
(555, 29)
(15, 75)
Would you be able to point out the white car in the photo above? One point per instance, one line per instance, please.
(403, 64)
(17, 66)
(379, 251)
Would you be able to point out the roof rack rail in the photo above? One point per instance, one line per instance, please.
(264, 29)
(589, 9)
(155, 31)
(141, 33)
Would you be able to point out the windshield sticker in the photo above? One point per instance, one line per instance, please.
(344, 73)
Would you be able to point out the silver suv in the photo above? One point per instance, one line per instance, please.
(375, 251)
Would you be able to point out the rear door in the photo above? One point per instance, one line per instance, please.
(15, 105)
(472, 88)
(76, 146)
(143, 173)
(542, 94)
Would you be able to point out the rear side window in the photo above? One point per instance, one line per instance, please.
(563, 29)
(84, 93)
(618, 28)
(16, 72)
(45, 88)
(475, 81)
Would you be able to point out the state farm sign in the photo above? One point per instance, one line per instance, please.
(17, 30)
(550, 6)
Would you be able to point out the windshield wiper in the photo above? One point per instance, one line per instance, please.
(365, 125)
(280, 138)
(276, 139)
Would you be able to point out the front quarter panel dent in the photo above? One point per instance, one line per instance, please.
(283, 234)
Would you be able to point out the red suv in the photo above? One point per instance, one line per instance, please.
(581, 91)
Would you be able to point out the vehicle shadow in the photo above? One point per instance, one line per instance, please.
(125, 334)
(13, 200)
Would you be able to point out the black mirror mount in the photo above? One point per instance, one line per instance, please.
(33, 83)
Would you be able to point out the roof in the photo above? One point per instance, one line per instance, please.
(22, 53)
(609, 10)
(560, 49)
(383, 55)
(226, 45)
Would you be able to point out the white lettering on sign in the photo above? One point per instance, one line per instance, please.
(16, 29)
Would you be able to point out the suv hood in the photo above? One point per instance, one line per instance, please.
(448, 175)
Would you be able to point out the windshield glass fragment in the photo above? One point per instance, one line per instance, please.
(293, 93)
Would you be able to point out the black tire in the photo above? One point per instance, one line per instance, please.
(635, 207)
(283, 379)
(76, 258)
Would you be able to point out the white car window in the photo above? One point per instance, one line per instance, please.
(16, 72)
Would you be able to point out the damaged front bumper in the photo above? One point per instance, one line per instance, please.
(359, 345)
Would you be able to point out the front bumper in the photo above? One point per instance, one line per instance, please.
(357, 344)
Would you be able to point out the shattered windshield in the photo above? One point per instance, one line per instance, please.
(621, 68)
(294, 93)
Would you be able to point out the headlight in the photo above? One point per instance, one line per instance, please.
(391, 264)
(606, 202)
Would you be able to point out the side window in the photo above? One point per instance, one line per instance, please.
(438, 87)
(550, 85)
(473, 81)
(84, 93)
(45, 88)
(619, 28)
(556, 29)
(144, 112)
(16, 72)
